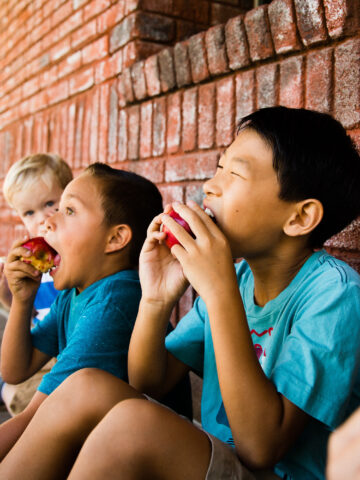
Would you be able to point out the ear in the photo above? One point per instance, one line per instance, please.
(305, 218)
(118, 237)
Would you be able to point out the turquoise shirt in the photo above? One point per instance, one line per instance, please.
(90, 329)
(307, 341)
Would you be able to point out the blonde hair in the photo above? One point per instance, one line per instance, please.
(40, 166)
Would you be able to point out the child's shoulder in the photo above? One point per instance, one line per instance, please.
(327, 268)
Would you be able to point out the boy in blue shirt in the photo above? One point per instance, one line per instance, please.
(275, 337)
(97, 231)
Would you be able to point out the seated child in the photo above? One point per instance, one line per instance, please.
(98, 231)
(47, 174)
(275, 337)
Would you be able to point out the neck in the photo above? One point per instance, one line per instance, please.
(274, 273)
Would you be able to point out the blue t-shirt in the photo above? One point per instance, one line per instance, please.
(308, 343)
(90, 329)
(45, 297)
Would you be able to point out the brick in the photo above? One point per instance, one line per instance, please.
(355, 137)
(122, 33)
(146, 110)
(197, 12)
(59, 92)
(258, 33)
(94, 8)
(28, 135)
(159, 126)
(221, 13)
(123, 136)
(134, 131)
(283, 26)
(61, 13)
(216, 50)
(166, 70)
(291, 82)
(347, 239)
(138, 80)
(236, 43)
(225, 105)
(82, 81)
(60, 50)
(69, 65)
(152, 169)
(172, 193)
(189, 115)
(182, 64)
(195, 192)
(84, 34)
(94, 127)
(104, 109)
(96, 50)
(71, 24)
(19, 140)
(245, 101)
(108, 68)
(310, 21)
(30, 87)
(342, 17)
(155, 28)
(121, 92)
(197, 55)
(110, 17)
(185, 29)
(347, 80)
(113, 126)
(206, 110)
(191, 167)
(319, 72)
(131, 5)
(173, 122)
(267, 81)
(152, 75)
(64, 120)
(71, 133)
(39, 101)
(137, 50)
(79, 132)
(160, 6)
(128, 86)
(87, 133)
(55, 132)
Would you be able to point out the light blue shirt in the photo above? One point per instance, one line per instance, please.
(308, 343)
(90, 329)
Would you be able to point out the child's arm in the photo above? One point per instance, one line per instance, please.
(19, 359)
(5, 294)
(263, 422)
(151, 368)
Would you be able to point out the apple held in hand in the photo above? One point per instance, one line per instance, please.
(43, 255)
(170, 239)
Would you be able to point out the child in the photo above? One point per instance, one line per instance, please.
(98, 232)
(33, 187)
(275, 337)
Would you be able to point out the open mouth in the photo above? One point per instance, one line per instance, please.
(210, 213)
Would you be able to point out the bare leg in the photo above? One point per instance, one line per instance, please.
(142, 440)
(52, 440)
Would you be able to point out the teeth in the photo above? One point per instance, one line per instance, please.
(209, 212)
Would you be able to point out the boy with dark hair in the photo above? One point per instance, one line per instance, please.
(97, 233)
(275, 337)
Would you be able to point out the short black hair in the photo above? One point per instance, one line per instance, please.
(127, 198)
(314, 158)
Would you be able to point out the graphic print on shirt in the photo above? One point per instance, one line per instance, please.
(261, 336)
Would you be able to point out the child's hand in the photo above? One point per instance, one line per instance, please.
(161, 275)
(206, 260)
(23, 279)
(5, 294)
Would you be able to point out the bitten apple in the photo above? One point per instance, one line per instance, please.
(43, 255)
(170, 239)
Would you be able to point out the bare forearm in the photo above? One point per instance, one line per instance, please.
(254, 408)
(147, 354)
(16, 348)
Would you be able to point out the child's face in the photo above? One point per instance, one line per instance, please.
(243, 196)
(77, 232)
(34, 205)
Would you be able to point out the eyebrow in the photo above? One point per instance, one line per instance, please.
(71, 196)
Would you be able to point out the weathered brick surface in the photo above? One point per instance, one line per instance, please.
(157, 87)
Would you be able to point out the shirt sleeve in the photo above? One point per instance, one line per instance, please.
(44, 335)
(100, 340)
(186, 341)
(319, 362)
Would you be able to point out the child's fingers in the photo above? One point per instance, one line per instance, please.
(19, 269)
(18, 252)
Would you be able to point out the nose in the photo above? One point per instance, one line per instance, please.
(212, 187)
(50, 223)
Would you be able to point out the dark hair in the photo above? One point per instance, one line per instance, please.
(128, 199)
(314, 158)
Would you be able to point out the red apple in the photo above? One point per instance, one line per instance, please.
(170, 239)
(43, 255)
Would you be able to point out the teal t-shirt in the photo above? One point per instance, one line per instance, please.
(307, 341)
(90, 329)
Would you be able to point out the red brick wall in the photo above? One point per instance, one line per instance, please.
(117, 82)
